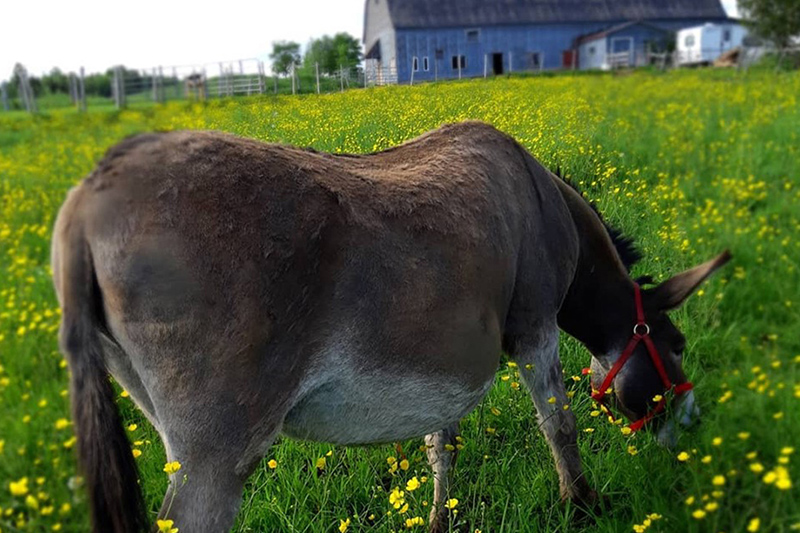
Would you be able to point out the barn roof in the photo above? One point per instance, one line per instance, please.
(619, 27)
(459, 13)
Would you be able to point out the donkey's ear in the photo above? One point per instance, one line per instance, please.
(673, 292)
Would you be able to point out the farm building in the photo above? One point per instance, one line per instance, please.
(703, 44)
(432, 39)
(625, 44)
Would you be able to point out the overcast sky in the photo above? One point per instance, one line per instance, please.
(97, 34)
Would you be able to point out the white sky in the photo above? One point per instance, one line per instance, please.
(98, 34)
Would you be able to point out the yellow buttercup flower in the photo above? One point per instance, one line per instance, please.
(19, 488)
(171, 468)
(166, 526)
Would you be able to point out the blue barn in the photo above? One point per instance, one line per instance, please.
(434, 39)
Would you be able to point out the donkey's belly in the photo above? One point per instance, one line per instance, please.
(363, 409)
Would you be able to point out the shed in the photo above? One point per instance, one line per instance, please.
(623, 45)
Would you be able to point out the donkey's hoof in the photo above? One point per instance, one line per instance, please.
(439, 523)
(588, 505)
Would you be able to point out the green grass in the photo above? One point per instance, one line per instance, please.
(688, 163)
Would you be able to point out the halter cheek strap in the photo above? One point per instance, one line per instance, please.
(641, 333)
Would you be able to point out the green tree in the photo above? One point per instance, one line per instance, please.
(775, 20)
(284, 55)
(332, 53)
(56, 81)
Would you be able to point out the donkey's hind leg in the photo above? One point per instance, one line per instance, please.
(205, 493)
(442, 451)
(540, 368)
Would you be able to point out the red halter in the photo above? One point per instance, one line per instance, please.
(641, 332)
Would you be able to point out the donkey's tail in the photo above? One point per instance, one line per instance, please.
(104, 452)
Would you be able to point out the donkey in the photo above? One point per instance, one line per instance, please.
(238, 290)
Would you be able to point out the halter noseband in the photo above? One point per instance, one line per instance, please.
(641, 332)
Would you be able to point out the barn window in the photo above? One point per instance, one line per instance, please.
(415, 64)
(726, 35)
(473, 36)
(592, 50)
(534, 61)
(425, 63)
(689, 41)
(462, 60)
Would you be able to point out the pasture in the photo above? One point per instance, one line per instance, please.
(687, 163)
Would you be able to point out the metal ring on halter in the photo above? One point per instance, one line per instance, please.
(646, 329)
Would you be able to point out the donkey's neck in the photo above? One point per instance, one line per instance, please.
(601, 290)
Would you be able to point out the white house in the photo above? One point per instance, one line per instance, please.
(703, 44)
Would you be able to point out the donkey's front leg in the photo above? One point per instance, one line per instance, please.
(441, 449)
(540, 368)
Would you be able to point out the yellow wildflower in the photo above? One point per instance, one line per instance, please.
(19, 488)
(171, 468)
(165, 526)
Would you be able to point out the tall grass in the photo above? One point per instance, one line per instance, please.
(688, 163)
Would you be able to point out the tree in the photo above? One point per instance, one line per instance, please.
(284, 55)
(56, 81)
(333, 53)
(775, 20)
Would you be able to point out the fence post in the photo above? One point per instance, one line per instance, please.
(73, 89)
(260, 77)
(485, 65)
(458, 60)
(510, 62)
(25, 86)
(291, 72)
(341, 77)
(411, 82)
(4, 94)
(155, 85)
(316, 68)
(162, 97)
(116, 89)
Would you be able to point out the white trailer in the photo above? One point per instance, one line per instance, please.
(703, 44)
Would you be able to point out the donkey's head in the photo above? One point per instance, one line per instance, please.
(642, 367)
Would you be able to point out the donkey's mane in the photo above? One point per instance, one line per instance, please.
(625, 246)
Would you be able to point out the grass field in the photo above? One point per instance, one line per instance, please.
(688, 163)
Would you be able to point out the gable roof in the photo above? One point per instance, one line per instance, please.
(457, 13)
(619, 27)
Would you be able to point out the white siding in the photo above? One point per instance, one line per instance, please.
(706, 43)
(592, 54)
